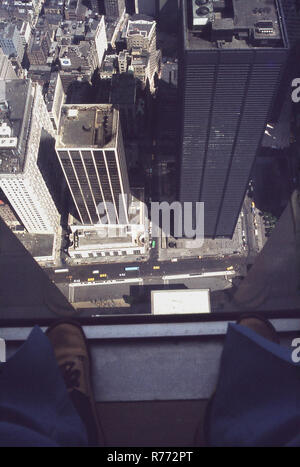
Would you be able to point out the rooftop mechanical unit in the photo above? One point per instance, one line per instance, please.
(203, 12)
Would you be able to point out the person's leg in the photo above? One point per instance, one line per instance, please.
(260, 326)
(257, 399)
(35, 409)
(73, 358)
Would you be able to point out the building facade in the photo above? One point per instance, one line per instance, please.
(232, 61)
(114, 8)
(39, 47)
(11, 41)
(112, 240)
(91, 153)
(95, 4)
(6, 69)
(98, 35)
(141, 43)
(55, 98)
(123, 97)
(53, 7)
(25, 31)
(23, 116)
(146, 7)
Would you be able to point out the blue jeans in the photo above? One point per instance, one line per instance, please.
(257, 399)
(35, 408)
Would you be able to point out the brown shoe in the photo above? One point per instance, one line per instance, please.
(261, 326)
(72, 355)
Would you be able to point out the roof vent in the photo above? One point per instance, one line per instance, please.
(72, 113)
(202, 11)
(87, 127)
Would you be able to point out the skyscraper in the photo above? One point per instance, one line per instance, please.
(22, 118)
(6, 69)
(168, 15)
(233, 58)
(114, 8)
(95, 4)
(11, 41)
(291, 10)
(91, 153)
(146, 7)
(141, 43)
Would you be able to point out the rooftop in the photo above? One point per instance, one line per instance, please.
(8, 215)
(109, 63)
(38, 245)
(37, 40)
(9, 11)
(16, 100)
(233, 24)
(7, 30)
(92, 25)
(76, 56)
(140, 60)
(140, 27)
(170, 302)
(113, 237)
(40, 74)
(54, 4)
(84, 126)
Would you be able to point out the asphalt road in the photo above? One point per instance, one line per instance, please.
(102, 292)
(115, 271)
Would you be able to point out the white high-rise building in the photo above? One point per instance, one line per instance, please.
(6, 69)
(11, 41)
(22, 118)
(114, 8)
(91, 153)
(55, 98)
(101, 40)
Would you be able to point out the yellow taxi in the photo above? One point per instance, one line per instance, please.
(156, 267)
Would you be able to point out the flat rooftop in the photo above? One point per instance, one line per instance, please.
(16, 100)
(170, 302)
(8, 215)
(140, 27)
(38, 245)
(104, 237)
(85, 126)
(233, 24)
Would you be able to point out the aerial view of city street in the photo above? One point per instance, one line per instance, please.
(149, 159)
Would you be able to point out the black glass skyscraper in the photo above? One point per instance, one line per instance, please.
(233, 58)
(114, 8)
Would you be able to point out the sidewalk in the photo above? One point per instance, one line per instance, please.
(218, 248)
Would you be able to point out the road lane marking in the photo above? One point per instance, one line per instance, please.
(112, 282)
(195, 275)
